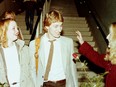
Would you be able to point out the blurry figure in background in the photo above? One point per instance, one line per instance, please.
(30, 7)
(12, 15)
(40, 4)
(20, 6)
(14, 59)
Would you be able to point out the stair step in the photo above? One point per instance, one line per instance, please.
(75, 25)
(27, 42)
(62, 6)
(74, 18)
(73, 33)
(93, 84)
(74, 22)
(27, 37)
(22, 17)
(87, 38)
(76, 50)
(92, 43)
(71, 15)
(23, 22)
(23, 27)
(70, 29)
(25, 32)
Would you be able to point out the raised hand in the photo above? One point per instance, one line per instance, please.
(79, 37)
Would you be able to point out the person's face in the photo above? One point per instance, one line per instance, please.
(9, 16)
(54, 30)
(109, 35)
(12, 32)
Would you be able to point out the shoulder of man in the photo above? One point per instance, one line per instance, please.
(36, 39)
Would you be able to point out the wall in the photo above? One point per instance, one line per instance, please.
(2, 7)
(106, 11)
(5, 5)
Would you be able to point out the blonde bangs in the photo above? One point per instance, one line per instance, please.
(52, 17)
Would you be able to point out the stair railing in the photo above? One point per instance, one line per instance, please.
(98, 23)
(38, 28)
(96, 18)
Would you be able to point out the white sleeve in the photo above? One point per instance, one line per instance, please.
(73, 66)
(32, 60)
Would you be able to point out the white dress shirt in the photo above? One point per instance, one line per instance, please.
(56, 73)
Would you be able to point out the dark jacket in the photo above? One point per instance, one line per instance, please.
(30, 5)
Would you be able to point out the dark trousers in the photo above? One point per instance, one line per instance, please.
(61, 83)
(29, 19)
(30, 7)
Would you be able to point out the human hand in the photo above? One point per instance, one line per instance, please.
(79, 37)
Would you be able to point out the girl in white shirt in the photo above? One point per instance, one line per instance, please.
(14, 59)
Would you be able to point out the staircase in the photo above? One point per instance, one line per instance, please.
(72, 23)
(20, 19)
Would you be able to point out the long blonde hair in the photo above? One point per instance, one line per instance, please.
(3, 30)
(111, 52)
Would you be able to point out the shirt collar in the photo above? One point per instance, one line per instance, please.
(47, 39)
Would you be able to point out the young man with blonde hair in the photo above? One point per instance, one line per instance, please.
(62, 69)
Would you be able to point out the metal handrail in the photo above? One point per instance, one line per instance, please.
(38, 28)
(95, 17)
